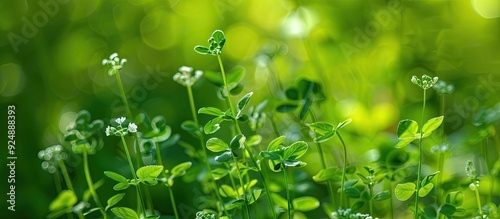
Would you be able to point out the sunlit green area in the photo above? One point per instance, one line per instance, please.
(362, 54)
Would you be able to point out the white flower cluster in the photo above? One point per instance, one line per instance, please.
(114, 63)
(121, 131)
(51, 157)
(426, 82)
(346, 214)
(185, 76)
(442, 87)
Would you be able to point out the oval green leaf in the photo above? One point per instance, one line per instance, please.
(405, 191)
(180, 169)
(125, 213)
(431, 125)
(306, 203)
(295, 151)
(407, 129)
(115, 176)
(217, 145)
(114, 200)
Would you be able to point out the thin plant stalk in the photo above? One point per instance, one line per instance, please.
(247, 212)
(420, 156)
(323, 163)
(139, 192)
(57, 180)
(370, 203)
(202, 145)
(440, 158)
(485, 154)
(122, 92)
(391, 204)
(65, 175)
(343, 169)
(478, 201)
(90, 183)
(172, 200)
(228, 98)
(289, 210)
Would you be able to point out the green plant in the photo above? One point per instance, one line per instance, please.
(408, 131)
(280, 157)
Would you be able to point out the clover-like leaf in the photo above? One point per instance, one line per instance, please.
(426, 180)
(224, 157)
(383, 195)
(244, 101)
(405, 190)
(180, 169)
(202, 50)
(431, 125)
(344, 123)
(255, 196)
(296, 150)
(219, 173)
(448, 210)
(423, 191)
(235, 204)
(305, 203)
(237, 142)
(115, 176)
(64, 199)
(210, 111)
(213, 125)
(407, 129)
(271, 155)
(125, 213)
(148, 174)
(455, 198)
(275, 144)
(330, 173)
(217, 145)
(114, 200)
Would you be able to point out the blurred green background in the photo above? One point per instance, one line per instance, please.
(362, 52)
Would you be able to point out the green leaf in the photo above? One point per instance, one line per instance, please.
(279, 201)
(305, 108)
(321, 128)
(65, 199)
(224, 157)
(234, 76)
(255, 196)
(343, 124)
(213, 125)
(202, 50)
(455, 198)
(425, 190)
(356, 206)
(404, 142)
(180, 169)
(114, 200)
(235, 204)
(227, 191)
(147, 174)
(211, 111)
(218, 36)
(294, 163)
(331, 173)
(426, 180)
(125, 213)
(275, 144)
(271, 155)
(432, 125)
(407, 129)
(382, 196)
(405, 191)
(237, 142)
(292, 94)
(254, 140)
(115, 176)
(219, 173)
(217, 145)
(244, 101)
(447, 209)
(121, 186)
(430, 212)
(305, 203)
(352, 192)
(189, 126)
(284, 108)
(295, 151)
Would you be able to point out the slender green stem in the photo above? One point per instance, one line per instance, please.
(245, 200)
(57, 180)
(391, 204)
(323, 163)
(485, 148)
(139, 192)
(122, 92)
(478, 200)
(202, 145)
(420, 156)
(289, 210)
(172, 200)
(343, 169)
(440, 158)
(370, 187)
(237, 126)
(65, 175)
(90, 183)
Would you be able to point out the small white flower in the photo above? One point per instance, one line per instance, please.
(108, 131)
(132, 127)
(114, 55)
(120, 120)
(186, 69)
